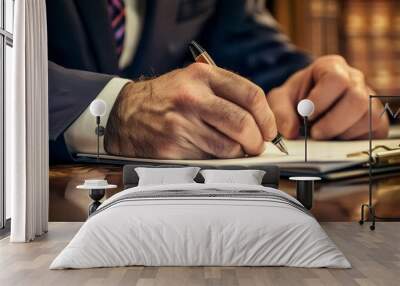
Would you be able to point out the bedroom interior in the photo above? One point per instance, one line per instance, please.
(328, 213)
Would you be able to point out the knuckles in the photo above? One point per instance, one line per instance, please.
(242, 122)
(336, 68)
(255, 97)
(339, 75)
(184, 96)
(186, 84)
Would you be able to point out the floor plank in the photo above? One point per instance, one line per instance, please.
(375, 257)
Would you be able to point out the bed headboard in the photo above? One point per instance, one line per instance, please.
(270, 179)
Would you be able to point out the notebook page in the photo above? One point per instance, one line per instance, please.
(318, 151)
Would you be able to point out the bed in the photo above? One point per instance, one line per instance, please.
(198, 224)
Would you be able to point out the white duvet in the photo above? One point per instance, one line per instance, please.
(188, 231)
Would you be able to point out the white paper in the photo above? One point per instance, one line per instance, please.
(318, 151)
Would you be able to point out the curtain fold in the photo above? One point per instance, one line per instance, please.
(27, 124)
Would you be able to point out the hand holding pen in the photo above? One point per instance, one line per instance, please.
(201, 56)
(196, 112)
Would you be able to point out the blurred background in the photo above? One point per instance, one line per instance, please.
(365, 32)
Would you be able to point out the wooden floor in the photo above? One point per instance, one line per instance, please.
(374, 255)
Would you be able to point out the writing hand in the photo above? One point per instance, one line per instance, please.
(197, 112)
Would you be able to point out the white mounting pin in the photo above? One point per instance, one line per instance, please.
(305, 108)
(98, 108)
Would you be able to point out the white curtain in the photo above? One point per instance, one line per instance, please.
(27, 124)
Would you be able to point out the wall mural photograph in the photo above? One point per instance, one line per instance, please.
(199, 142)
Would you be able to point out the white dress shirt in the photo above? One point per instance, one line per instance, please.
(80, 137)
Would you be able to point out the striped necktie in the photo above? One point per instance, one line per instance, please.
(116, 10)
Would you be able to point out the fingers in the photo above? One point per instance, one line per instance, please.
(347, 112)
(243, 93)
(211, 141)
(233, 121)
(331, 83)
(286, 116)
(205, 143)
(360, 130)
(342, 111)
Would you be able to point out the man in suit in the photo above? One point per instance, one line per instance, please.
(101, 48)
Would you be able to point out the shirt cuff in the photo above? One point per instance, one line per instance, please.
(80, 137)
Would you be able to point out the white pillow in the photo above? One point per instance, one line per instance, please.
(248, 177)
(163, 176)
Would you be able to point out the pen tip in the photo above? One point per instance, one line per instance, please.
(280, 143)
(195, 49)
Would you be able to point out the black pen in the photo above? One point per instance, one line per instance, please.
(201, 56)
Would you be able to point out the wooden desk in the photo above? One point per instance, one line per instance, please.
(338, 201)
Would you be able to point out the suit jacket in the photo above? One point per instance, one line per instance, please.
(83, 59)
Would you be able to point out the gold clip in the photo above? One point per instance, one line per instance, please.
(357, 154)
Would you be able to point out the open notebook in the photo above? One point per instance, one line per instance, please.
(325, 158)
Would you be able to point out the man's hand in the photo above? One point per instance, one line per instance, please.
(197, 112)
(340, 96)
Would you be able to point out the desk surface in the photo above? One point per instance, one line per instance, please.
(334, 201)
